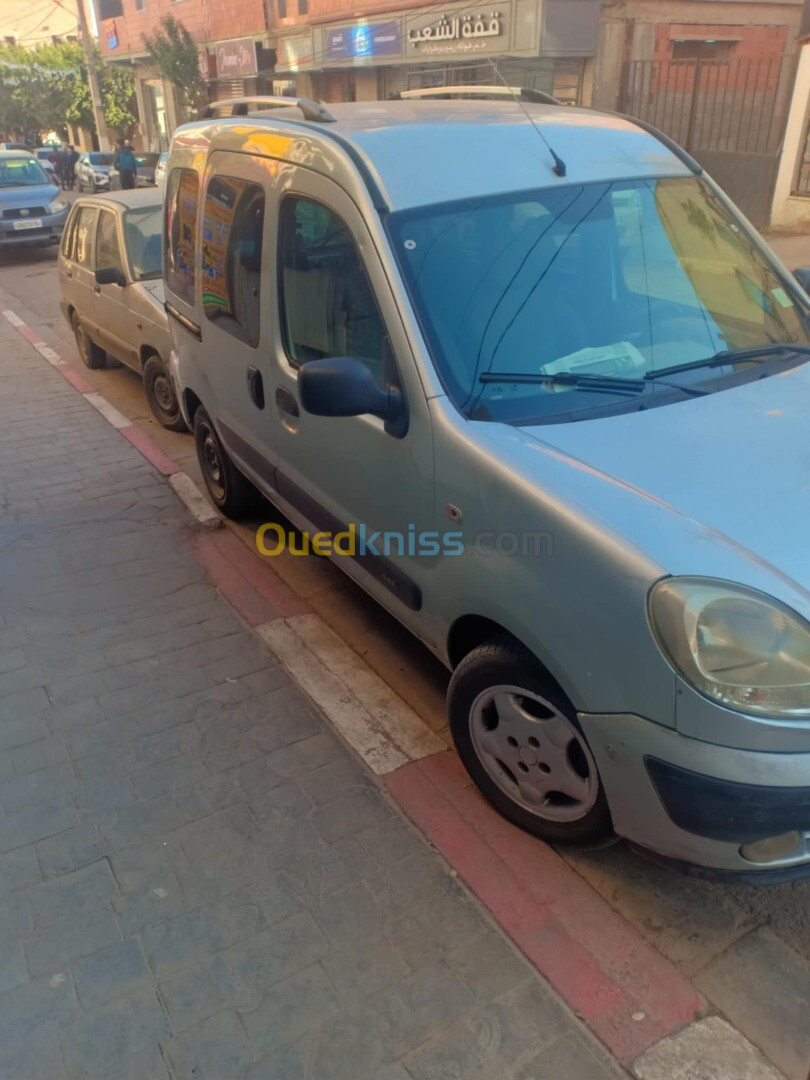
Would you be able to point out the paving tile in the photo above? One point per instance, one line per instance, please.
(213, 1050)
(366, 967)
(572, 1058)
(13, 969)
(99, 1041)
(489, 965)
(39, 755)
(23, 792)
(355, 1042)
(19, 869)
(110, 973)
(35, 1010)
(290, 1008)
(333, 780)
(154, 901)
(424, 1003)
(322, 873)
(80, 932)
(36, 822)
(70, 850)
(72, 892)
(349, 814)
(37, 1058)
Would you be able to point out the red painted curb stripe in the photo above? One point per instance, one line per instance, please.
(76, 380)
(604, 969)
(252, 588)
(150, 450)
(30, 335)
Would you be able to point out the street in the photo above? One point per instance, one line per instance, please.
(746, 950)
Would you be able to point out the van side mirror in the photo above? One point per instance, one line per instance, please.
(110, 275)
(344, 386)
(802, 275)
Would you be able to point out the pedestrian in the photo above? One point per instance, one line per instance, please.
(126, 164)
(69, 166)
(56, 161)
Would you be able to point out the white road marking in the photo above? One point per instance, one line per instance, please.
(710, 1047)
(375, 721)
(13, 318)
(49, 354)
(195, 501)
(108, 411)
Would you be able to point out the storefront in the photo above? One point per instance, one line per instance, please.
(536, 43)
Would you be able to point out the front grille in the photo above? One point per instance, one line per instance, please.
(32, 211)
(17, 234)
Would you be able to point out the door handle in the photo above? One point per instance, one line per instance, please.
(255, 387)
(286, 401)
(97, 288)
(69, 273)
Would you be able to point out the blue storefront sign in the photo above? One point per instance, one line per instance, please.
(367, 39)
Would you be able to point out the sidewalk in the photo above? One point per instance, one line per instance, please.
(198, 879)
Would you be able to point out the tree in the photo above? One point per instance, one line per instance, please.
(175, 53)
(45, 88)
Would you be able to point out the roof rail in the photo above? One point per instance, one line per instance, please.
(524, 93)
(673, 147)
(240, 106)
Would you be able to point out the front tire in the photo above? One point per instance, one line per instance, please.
(93, 356)
(159, 390)
(230, 490)
(518, 737)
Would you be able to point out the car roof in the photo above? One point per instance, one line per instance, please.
(133, 199)
(422, 152)
(6, 155)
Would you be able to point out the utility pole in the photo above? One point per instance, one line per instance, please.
(92, 78)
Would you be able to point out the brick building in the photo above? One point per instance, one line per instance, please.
(235, 53)
(338, 51)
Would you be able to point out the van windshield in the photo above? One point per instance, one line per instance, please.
(613, 280)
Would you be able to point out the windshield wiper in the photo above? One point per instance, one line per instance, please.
(600, 384)
(733, 356)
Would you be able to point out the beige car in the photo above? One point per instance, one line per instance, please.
(112, 290)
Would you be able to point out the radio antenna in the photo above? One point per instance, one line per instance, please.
(560, 168)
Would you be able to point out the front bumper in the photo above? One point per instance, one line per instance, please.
(700, 804)
(48, 232)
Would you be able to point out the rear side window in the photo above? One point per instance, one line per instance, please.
(328, 308)
(181, 223)
(85, 235)
(108, 250)
(233, 222)
(69, 235)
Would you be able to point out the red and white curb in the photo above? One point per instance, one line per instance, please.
(646, 1013)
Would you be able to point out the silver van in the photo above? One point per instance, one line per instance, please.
(540, 389)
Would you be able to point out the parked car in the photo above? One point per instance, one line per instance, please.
(93, 171)
(551, 411)
(32, 210)
(43, 156)
(112, 290)
(15, 146)
(160, 168)
(145, 175)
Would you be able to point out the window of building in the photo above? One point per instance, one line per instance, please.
(703, 49)
(108, 250)
(85, 234)
(282, 8)
(140, 5)
(233, 223)
(303, 7)
(328, 307)
(181, 224)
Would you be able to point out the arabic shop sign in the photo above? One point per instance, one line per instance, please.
(462, 32)
(364, 40)
(458, 29)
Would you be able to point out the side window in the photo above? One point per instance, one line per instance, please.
(327, 306)
(108, 250)
(85, 234)
(181, 224)
(69, 235)
(233, 223)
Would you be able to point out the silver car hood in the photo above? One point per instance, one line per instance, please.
(717, 485)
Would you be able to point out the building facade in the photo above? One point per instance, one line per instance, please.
(235, 54)
(330, 50)
(29, 24)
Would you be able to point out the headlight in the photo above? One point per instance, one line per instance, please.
(736, 646)
(57, 205)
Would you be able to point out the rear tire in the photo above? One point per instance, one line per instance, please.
(160, 395)
(519, 739)
(93, 356)
(230, 490)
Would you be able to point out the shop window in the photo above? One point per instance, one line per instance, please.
(181, 224)
(233, 223)
(327, 305)
(702, 50)
(108, 250)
